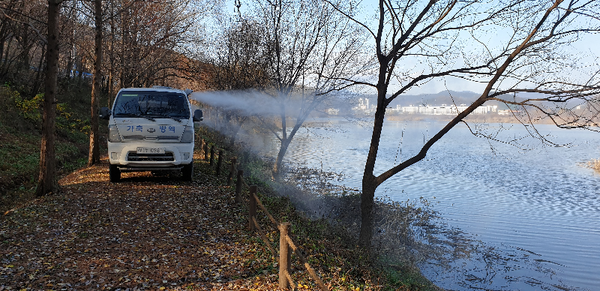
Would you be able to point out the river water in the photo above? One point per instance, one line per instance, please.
(536, 207)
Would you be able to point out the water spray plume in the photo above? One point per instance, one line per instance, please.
(247, 103)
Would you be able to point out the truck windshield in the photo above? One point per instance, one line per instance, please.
(151, 104)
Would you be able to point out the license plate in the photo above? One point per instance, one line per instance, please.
(143, 150)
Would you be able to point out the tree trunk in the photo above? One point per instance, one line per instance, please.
(79, 67)
(367, 201)
(234, 134)
(71, 45)
(26, 49)
(94, 152)
(285, 143)
(5, 31)
(38, 75)
(369, 182)
(47, 178)
(6, 63)
(123, 83)
(2, 42)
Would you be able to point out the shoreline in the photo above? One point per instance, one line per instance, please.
(475, 118)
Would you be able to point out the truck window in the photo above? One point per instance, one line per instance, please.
(151, 104)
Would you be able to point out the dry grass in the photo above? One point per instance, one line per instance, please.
(594, 164)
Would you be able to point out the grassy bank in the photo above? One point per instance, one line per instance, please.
(325, 223)
(20, 135)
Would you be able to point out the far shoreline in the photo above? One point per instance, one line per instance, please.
(478, 118)
(475, 118)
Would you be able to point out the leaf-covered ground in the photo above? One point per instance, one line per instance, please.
(161, 233)
(143, 233)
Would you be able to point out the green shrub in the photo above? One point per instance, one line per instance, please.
(20, 135)
(28, 108)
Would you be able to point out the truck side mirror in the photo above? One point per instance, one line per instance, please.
(104, 113)
(198, 115)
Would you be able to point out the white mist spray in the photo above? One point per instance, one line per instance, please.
(248, 103)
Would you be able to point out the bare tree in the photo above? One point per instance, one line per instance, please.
(522, 58)
(150, 33)
(47, 178)
(144, 43)
(94, 151)
(239, 66)
(309, 49)
(23, 43)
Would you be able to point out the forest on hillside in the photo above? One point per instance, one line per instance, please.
(144, 43)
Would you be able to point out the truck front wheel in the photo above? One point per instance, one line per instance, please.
(188, 171)
(114, 173)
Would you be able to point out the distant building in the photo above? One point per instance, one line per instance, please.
(332, 111)
(443, 109)
(364, 106)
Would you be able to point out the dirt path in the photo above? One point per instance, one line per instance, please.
(142, 233)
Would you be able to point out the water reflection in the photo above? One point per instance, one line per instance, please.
(533, 207)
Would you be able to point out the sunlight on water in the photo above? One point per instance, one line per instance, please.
(537, 209)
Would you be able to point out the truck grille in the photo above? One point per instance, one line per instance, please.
(135, 157)
(150, 138)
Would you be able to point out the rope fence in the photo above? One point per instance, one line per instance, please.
(286, 244)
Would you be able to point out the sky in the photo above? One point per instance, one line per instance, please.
(587, 50)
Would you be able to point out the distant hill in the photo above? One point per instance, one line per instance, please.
(444, 97)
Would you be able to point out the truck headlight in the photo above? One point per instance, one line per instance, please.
(113, 133)
(188, 135)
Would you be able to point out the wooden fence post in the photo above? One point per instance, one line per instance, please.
(219, 162)
(212, 155)
(284, 255)
(205, 148)
(238, 186)
(231, 170)
(252, 207)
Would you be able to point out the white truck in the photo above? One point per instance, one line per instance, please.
(151, 129)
